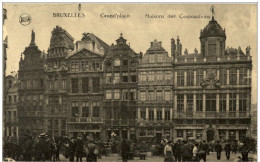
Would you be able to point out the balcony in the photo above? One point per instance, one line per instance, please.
(31, 113)
(83, 120)
(213, 114)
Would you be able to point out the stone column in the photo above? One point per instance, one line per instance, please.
(227, 106)
(171, 114)
(163, 114)
(139, 113)
(237, 135)
(204, 103)
(146, 113)
(194, 103)
(175, 78)
(175, 105)
(227, 134)
(237, 104)
(204, 74)
(237, 76)
(248, 76)
(217, 74)
(185, 134)
(7, 132)
(217, 102)
(195, 78)
(194, 133)
(155, 114)
(174, 133)
(185, 77)
(227, 76)
(128, 134)
(185, 103)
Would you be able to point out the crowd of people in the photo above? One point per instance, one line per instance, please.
(196, 151)
(45, 148)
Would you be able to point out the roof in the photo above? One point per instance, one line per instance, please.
(213, 29)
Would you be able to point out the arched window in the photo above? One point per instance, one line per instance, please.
(117, 62)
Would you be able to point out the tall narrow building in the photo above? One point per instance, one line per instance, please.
(155, 103)
(31, 90)
(120, 88)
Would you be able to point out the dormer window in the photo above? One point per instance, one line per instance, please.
(117, 62)
(125, 62)
(212, 50)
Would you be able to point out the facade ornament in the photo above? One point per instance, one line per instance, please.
(248, 50)
(211, 81)
(186, 51)
(195, 52)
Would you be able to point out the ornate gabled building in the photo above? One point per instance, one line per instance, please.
(85, 95)
(31, 90)
(212, 89)
(155, 94)
(120, 88)
(56, 76)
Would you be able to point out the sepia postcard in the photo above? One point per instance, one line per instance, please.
(129, 82)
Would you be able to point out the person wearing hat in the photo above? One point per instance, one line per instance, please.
(227, 148)
(40, 148)
(168, 152)
(218, 149)
(79, 148)
(92, 151)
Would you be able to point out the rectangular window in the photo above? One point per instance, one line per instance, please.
(133, 78)
(143, 115)
(151, 115)
(132, 94)
(96, 85)
(159, 96)
(151, 76)
(159, 58)
(125, 77)
(151, 58)
(167, 95)
(116, 78)
(40, 102)
(168, 76)
(212, 48)
(190, 78)
(56, 84)
(159, 115)
(180, 102)
(15, 98)
(125, 95)
(74, 109)
(125, 62)
(108, 78)
(108, 94)
(85, 83)
(232, 76)
(199, 102)
(9, 99)
(232, 102)
(179, 133)
(143, 77)
(167, 115)
(74, 85)
(223, 76)
(82, 66)
(76, 66)
(95, 109)
(64, 84)
(199, 77)
(41, 83)
(117, 94)
(151, 96)
(242, 101)
(242, 76)
(222, 102)
(72, 66)
(142, 95)
(85, 109)
(211, 102)
(190, 103)
(159, 76)
(180, 77)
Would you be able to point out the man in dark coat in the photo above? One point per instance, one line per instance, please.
(71, 149)
(186, 152)
(227, 148)
(91, 151)
(40, 153)
(218, 149)
(125, 149)
(79, 148)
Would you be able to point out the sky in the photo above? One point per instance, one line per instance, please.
(239, 21)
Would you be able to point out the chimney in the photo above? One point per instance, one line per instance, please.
(173, 47)
(160, 43)
(151, 44)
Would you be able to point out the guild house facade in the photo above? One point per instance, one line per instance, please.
(91, 88)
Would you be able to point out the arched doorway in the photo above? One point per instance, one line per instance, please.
(210, 135)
